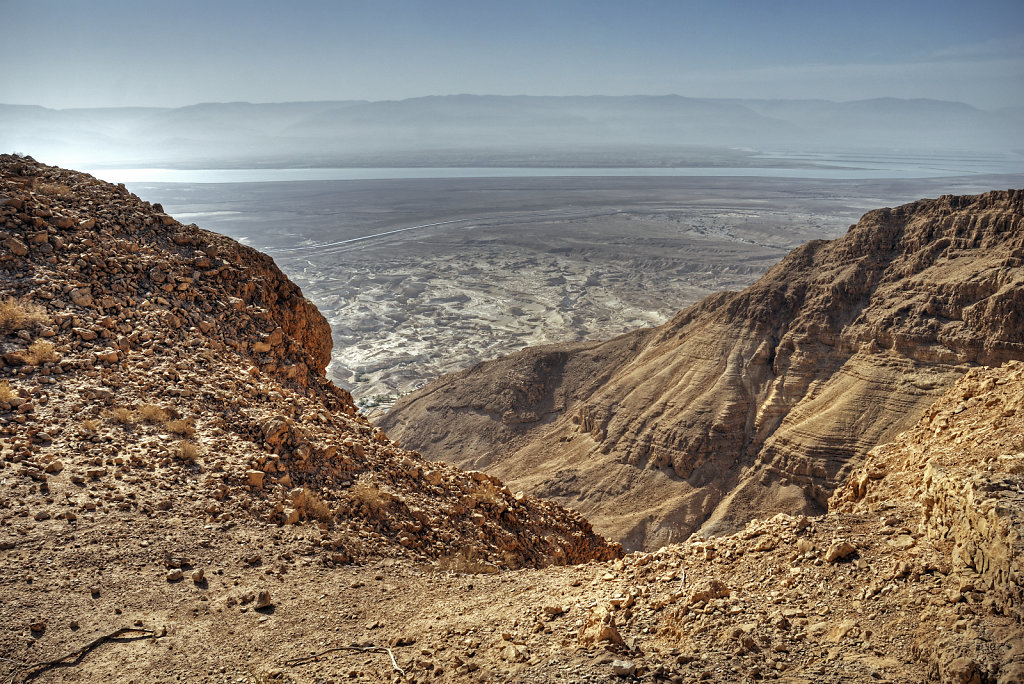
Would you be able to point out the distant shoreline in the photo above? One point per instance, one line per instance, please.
(270, 175)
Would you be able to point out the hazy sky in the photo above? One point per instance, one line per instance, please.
(71, 53)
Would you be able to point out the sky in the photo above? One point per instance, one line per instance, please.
(96, 53)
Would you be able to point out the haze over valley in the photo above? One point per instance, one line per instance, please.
(495, 131)
(421, 277)
(462, 342)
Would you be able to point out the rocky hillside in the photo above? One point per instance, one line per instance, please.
(751, 403)
(183, 497)
(162, 402)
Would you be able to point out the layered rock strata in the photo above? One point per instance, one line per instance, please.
(751, 403)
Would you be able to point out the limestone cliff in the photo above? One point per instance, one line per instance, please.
(750, 403)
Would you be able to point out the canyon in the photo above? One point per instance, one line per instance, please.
(750, 403)
(184, 495)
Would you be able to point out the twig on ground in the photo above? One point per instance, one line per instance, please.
(360, 649)
(35, 669)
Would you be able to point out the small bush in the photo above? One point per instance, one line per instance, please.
(41, 351)
(152, 414)
(20, 314)
(91, 426)
(6, 392)
(189, 452)
(314, 507)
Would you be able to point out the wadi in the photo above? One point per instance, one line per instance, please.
(819, 477)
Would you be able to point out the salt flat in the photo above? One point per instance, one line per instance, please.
(419, 277)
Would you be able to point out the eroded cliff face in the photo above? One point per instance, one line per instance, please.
(758, 402)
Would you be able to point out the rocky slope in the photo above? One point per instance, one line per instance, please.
(183, 497)
(751, 403)
(161, 385)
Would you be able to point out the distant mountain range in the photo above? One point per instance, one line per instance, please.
(481, 130)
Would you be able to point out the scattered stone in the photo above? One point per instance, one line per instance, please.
(263, 600)
(623, 668)
(254, 478)
(839, 550)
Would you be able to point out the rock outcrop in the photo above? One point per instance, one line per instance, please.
(751, 403)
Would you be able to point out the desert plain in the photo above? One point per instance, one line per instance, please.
(424, 276)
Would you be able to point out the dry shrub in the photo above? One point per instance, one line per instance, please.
(54, 189)
(41, 351)
(20, 314)
(152, 414)
(6, 392)
(314, 507)
(189, 452)
(372, 497)
(466, 561)
(122, 416)
(90, 425)
(180, 427)
(487, 493)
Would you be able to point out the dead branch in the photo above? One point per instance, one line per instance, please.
(35, 669)
(360, 649)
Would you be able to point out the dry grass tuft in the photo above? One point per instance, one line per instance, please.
(314, 507)
(6, 392)
(181, 427)
(53, 189)
(90, 426)
(189, 452)
(152, 414)
(21, 314)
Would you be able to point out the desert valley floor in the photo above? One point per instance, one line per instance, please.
(420, 277)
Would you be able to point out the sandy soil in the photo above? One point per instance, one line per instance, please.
(427, 276)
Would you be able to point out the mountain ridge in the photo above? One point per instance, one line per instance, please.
(329, 132)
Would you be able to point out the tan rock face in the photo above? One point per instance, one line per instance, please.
(747, 403)
(961, 464)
